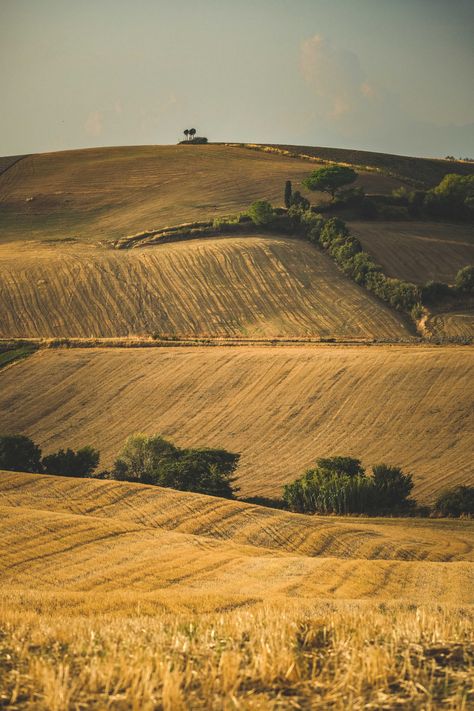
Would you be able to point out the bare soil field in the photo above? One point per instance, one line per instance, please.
(280, 407)
(95, 612)
(418, 251)
(109, 193)
(253, 286)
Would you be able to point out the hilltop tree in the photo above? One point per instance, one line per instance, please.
(186, 133)
(330, 179)
(192, 132)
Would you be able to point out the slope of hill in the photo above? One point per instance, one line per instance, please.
(107, 193)
(426, 171)
(258, 286)
(280, 407)
(95, 611)
(135, 506)
(418, 251)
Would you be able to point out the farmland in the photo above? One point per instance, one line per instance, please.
(251, 286)
(138, 629)
(418, 251)
(104, 194)
(124, 596)
(280, 407)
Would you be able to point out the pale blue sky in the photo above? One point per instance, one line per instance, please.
(388, 75)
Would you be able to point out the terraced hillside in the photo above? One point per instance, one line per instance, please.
(280, 407)
(251, 286)
(418, 251)
(108, 193)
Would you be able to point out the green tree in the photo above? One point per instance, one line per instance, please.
(392, 486)
(19, 454)
(69, 463)
(330, 179)
(261, 213)
(288, 193)
(458, 501)
(465, 279)
(154, 460)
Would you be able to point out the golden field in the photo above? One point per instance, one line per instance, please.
(266, 609)
(128, 597)
(281, 407)
(107, 193)
(250, 286)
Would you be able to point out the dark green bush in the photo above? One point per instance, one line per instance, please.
(452, 198)
(458, 501)
(465, 280)
(19, 454)
(69, 463)
(261, 213)
(434, 291)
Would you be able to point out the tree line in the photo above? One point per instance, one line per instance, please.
(334, 485)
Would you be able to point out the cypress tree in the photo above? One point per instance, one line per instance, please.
(288, 193)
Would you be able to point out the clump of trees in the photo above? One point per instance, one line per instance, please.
(19, 453)
(191, 137)
(340, 485)
(151, 459)
(330, 179)
(456, 502)
(452, 198)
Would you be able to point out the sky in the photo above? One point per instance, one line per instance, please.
(382, 75)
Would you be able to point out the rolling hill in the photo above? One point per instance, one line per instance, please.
(418, 251)
(247, 286)
(281, 407)
(107, 193)
(131, 596)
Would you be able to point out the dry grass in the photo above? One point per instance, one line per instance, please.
(281, 408)
(418, 251)
(452, 324)
(106, 603)
(107, 193)
(272, 656)
(249, 286)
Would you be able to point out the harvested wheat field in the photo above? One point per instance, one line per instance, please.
(253, 286)
(280, 407)
(418, 251)
(107, 193)
(454, 324)
(264, 606)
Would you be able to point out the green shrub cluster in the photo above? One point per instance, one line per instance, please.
(19, 453)
(340, 485)
(456, 502)
(151, 459)
(347, 252)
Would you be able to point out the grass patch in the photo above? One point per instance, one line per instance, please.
(12, 355)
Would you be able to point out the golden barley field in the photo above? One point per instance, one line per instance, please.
(281, 407)
(107, 193)
(96, 613)
(418, 251)
(247, 286)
